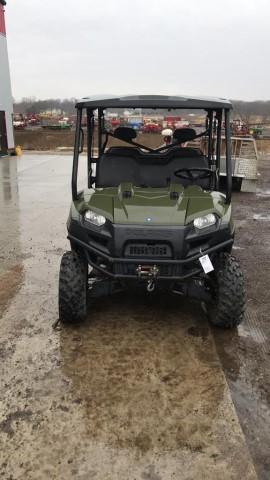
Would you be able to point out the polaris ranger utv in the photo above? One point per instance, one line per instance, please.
(152, 218)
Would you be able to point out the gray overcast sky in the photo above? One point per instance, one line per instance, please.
(67, 48)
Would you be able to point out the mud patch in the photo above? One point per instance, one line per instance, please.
(148, 381)
(55, 251)
(6, 350)
(10, 282)
(6, 426)
(199, 332)
(151, 474)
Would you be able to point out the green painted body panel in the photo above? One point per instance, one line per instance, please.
(152, 206)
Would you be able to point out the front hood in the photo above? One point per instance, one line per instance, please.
(174, 205)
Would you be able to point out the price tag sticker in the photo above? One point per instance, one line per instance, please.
(206, 264)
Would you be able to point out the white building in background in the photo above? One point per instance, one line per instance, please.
(6, 107)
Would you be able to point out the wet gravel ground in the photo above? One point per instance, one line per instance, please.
(245, 353)
(144, 389)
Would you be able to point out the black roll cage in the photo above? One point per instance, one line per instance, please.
(213, 128)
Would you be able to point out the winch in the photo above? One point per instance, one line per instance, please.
(150, 273)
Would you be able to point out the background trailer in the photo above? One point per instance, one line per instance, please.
(6, 107)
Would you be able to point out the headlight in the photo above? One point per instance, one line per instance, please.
(94, 218)
(206, 221)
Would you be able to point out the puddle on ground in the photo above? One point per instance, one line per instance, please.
(244, 353)
(265, 217)
(262, 193)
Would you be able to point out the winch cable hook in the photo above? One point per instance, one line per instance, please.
(150, 286)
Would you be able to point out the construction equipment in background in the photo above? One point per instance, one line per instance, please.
(256, 131)
(57, 124)
(19, 122)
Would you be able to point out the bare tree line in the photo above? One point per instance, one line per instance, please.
(30, 105)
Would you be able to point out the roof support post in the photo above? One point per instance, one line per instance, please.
(210, 135)
(218, 146)
(100, 130)
(76, 155)
(90, 115)
(228, 157)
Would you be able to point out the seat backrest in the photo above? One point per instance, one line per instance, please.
(120, 165)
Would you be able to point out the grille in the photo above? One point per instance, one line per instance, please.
(148, 250)
(164, 270)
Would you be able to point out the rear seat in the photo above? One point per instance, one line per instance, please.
(128, 164)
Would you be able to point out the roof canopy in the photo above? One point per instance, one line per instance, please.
(155, 101)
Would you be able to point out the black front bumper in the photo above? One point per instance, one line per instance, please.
(105, 248)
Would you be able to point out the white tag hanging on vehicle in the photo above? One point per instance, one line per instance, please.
(206, 264)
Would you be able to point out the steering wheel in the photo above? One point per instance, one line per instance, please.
(190, 173)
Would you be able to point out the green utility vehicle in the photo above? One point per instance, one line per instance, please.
(152, 219)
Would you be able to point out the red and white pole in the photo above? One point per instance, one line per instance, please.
(6, 104)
